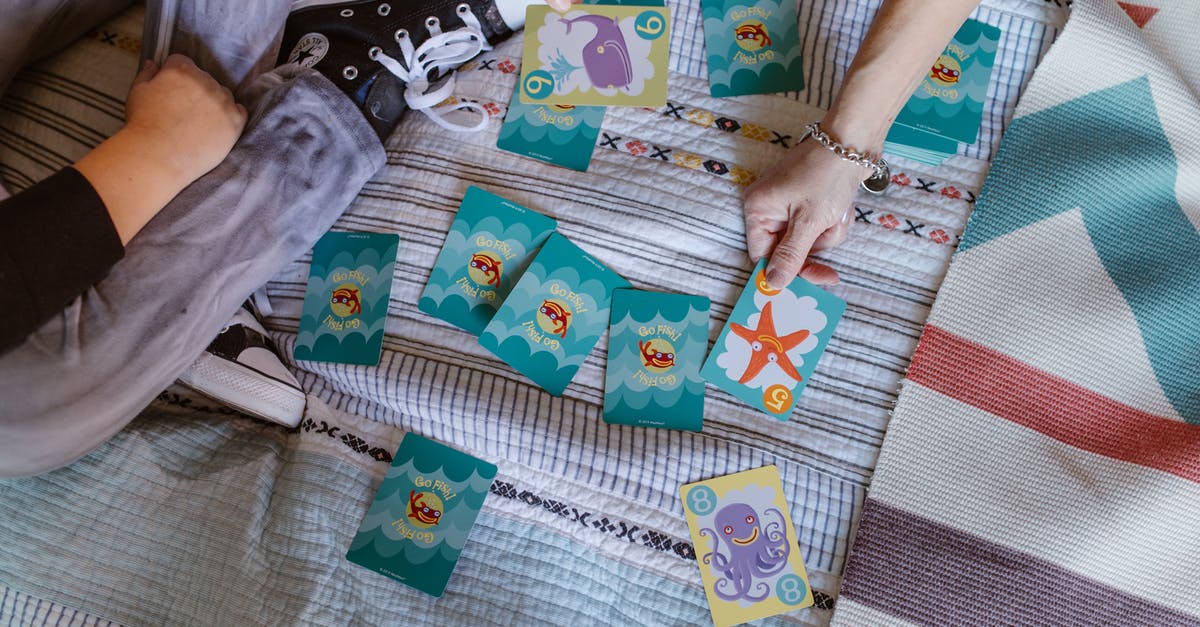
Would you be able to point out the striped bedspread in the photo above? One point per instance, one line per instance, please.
(192, 515)
(1043, 460)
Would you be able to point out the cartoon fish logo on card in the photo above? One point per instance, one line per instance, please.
(752, 36)
(554, 317)
(658, 355)
(484, 269)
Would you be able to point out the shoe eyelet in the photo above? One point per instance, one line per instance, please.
(463, 8)
(384, 9)
(431, 22)
(401, 34)
(373, 53)
(347, 12)
(350, 72)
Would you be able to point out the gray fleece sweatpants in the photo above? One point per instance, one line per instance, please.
(305, 153)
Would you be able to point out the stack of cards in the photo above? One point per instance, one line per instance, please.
(746, 547)
(422, 514)
(948, 105)
(752, 47)
(772, 342)
(346, 302)
(655, 346)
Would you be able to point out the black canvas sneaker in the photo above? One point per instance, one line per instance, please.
(241, 369)
(389, 56)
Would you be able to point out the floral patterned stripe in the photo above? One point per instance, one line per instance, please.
(742, 177)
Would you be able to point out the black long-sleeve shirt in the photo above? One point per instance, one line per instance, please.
(56, 241)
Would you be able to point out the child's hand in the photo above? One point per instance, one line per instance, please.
(801, 205)
(183, 115)
(179, 124)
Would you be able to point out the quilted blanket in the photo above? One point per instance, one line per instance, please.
(1043, 460)
(195, 515)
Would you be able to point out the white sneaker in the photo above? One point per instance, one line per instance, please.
(241, 369)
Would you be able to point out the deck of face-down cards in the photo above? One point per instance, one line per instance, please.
(947, 106)
(752, 47)
(656, 343)
(772, 341)
(490, 243)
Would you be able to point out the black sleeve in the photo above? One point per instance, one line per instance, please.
(56, 241)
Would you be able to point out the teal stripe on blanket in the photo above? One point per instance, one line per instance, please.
(1106, 153)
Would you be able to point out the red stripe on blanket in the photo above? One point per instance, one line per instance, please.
(998, 384)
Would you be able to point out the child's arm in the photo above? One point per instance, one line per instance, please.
(803, 204)
(59, 237)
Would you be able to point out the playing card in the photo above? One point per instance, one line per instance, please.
(490, 242)
(554, 315)
(561, 134)
(772, 341)
(596, 55)
(753, 47)
(656, 343)
(418, 523)
(949, 101)
(746, 547)
(346, 301)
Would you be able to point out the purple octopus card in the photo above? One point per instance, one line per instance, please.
(746, 546)
(596, 55)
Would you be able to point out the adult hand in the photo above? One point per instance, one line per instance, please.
(561, 5)
(800, 206)
(184, 115)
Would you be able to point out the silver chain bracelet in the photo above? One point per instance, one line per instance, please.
(881, 174)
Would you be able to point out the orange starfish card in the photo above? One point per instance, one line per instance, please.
(771, 344)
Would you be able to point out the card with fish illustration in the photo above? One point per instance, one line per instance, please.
(490, 242)
(752, 47)
(746, 547)
(346, 302)
(656, 343)
(772, 341)
(561, 134)
(949, 101)
(596, 55)
(554, 315)
(422, 514)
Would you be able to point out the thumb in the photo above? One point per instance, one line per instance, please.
(559, 5)
(148, 70)
(788, 257)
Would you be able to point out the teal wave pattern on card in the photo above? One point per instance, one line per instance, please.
(752, 48)
(559, 134)
(422, 514)
(951, 103)
(554, 315)
(346, 301)
(656, 344)
(488, 246)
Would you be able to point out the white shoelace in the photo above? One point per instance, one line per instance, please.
(440, 51)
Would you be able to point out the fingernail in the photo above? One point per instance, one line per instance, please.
(846, 217)
(775, 278)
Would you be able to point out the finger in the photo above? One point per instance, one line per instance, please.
(820, 274)
(832, 236)
(148, 70)
(790, 254)
(178, 60)
(559, 5)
